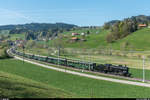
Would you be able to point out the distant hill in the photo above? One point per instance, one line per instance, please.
(139, 19)
(112, 22)
(37, 26)
(37, 31)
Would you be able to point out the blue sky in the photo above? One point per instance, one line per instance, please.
(79, 12)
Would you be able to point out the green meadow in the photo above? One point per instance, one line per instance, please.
(75, 85)
(14, 86)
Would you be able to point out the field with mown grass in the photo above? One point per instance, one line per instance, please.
(75, 85)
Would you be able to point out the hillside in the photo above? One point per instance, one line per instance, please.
(13, 86)
(138, 40)
(95, 39)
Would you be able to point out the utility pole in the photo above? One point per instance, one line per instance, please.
(143, 69)
(58, 54)
(89, 61)
(83, 62)
(23, 53)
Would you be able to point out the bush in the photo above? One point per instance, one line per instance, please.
(5, 55)
(139, 56)
(109, 38)
(148, 56)
(118, 54)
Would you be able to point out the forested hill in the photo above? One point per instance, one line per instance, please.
(38, 30)
(123, 28)
(38, 26)
(142, 19)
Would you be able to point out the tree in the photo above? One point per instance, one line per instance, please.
(125, 45)
(106, 26)
(88, 32)
(2, 37)
(121, 29)
(59, 44)
(109, 38)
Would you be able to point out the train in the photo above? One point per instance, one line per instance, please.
(91, 66)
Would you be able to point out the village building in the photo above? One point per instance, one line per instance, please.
(74, 39)
(82, 34)
(74, 34)
(142, 25)
(83, 39)
(19, 42)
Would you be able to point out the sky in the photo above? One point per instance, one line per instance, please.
(78, 12)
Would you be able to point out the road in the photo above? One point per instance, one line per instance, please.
(86, 75)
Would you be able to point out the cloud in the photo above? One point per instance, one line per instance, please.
(6, 14)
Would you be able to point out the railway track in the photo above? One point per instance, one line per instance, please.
(97, 73)
(88, 75)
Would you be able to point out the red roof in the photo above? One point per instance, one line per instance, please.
(142, 25)
(75, 34)
(74, 38)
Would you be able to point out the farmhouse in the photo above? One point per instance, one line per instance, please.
(83, 39)
(82, 34)
(74, 39)
(74, 34)
(142, 25)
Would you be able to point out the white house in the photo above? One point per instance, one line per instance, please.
(82, 34)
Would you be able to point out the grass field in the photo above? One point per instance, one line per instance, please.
(93, 40)
(17, 36)
(13, 86)
(76, 85)
(135, 64)
(3, 54)
(136, 73)
(139, 40)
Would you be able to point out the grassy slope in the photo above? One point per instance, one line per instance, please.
(93, 40)
(139, 39)
(2, 53)
(12, 86)
(81, 86)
